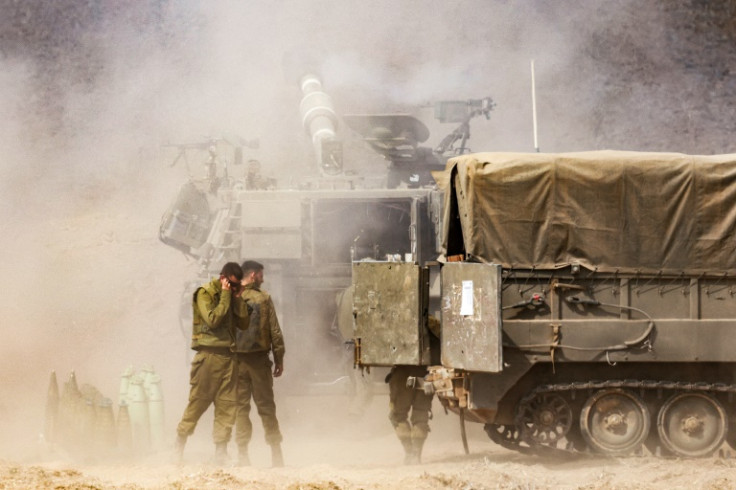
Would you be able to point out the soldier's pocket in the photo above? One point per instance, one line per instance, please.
(197, 363)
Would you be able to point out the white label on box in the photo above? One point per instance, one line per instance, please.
(466, 303)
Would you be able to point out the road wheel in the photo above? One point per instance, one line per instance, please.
(614, 421)
(692, 424)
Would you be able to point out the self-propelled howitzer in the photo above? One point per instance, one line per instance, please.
(308, 230)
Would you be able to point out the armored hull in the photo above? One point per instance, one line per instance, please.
(588, 301)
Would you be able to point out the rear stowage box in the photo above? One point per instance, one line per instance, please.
(390, 311)
(471, 316)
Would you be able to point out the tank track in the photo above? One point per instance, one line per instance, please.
(515, 438)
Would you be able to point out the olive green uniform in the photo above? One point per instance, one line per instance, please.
(255, 378)
(412, 428)
(213, 374)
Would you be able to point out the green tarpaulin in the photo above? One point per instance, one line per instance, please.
(605, 210)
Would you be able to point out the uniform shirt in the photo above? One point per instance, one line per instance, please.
(264, 332)
(216, 313)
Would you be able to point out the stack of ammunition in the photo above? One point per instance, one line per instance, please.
(81, 421)
(141, 394)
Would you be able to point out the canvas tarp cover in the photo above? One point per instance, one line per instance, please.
(605, 210)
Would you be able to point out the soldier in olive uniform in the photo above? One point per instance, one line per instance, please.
(218, 309)
(254, 180)
(254, 366)
(412, 429)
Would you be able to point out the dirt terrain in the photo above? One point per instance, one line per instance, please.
(348, 455)
(486, 470)
(88, 288)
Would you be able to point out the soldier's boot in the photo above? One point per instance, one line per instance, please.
(277, 457)
(419, 432)
(181, 441)
(403, 432)
(417, 446)
(409, 454)
(243, 459)
(221, 453)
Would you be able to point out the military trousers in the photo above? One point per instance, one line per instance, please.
(213, 380)
(409, 408)
(255, 380)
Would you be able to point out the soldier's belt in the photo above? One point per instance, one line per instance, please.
(215, 350)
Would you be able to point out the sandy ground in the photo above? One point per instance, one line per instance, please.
(372, 462)
(324, 449)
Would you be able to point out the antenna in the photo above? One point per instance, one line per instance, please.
(534, 111)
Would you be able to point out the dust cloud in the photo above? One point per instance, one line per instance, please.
(92, 92)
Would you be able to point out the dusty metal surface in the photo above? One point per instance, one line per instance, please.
(390, 313)
(471, 317)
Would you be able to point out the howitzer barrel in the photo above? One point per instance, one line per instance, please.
(320, 122)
